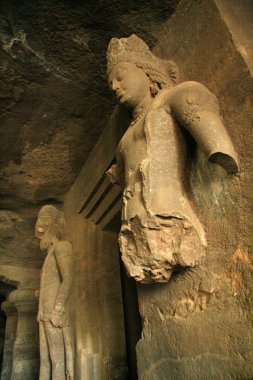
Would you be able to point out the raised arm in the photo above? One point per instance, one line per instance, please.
(196, 109)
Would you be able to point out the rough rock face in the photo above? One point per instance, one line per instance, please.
(54, 101)
(53, 90)
(199, 325)
(54, 104)
(15, 232)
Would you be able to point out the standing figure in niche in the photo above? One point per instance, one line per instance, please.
(160, 230)
(56, 346)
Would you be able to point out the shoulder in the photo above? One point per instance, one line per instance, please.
(63, 248)
(192, 87)
(192, 94)
(189, 85)
(184, 96)
(180, 91)
(181, 87)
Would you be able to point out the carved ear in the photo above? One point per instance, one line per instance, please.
(173, 71)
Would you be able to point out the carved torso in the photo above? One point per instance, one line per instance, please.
(132, 150)
(154, 154)
(59, 259)
(49, 286)
(160, 230)
(159, 227)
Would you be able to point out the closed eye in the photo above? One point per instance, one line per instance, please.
(121, 74)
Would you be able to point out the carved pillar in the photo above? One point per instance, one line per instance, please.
(10, 335)
(26, 346)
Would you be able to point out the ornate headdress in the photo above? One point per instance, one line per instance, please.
(134, 49)
(50, 216)
(51, 213)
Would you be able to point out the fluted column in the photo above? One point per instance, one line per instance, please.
(26, 345)
(10, 335)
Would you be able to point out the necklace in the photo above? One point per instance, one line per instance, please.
(137, 118)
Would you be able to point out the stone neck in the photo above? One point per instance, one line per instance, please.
(142, 107)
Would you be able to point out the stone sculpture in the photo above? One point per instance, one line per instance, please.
(56, 346)
(160, 230)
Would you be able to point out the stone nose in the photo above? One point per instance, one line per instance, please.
(115, 85)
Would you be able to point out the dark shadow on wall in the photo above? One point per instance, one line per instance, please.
(133, 325)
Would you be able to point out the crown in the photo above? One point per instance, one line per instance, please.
(50, 212)
(132, 49)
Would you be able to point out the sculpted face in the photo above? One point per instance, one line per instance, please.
(130, 84)
(42, 231)
(42, 225)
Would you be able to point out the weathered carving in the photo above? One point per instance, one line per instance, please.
(25, 351)
(56, 346)
(160, 230)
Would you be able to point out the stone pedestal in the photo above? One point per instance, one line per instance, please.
(26, 345)
(10, 335)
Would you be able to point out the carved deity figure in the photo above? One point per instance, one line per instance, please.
(160, 230)
(56, 346)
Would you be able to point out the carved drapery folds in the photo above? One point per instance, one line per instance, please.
(160, 229)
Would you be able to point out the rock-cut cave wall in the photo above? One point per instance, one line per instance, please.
(55, 104)
(199, 325)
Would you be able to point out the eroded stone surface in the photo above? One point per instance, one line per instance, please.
(17, 246)
(54, 95)
(54, 105)
(160, 228)
(100, 347)
(199, 324)
(25, 354)
(55, 310)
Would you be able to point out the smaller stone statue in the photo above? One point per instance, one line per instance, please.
(56, 346)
